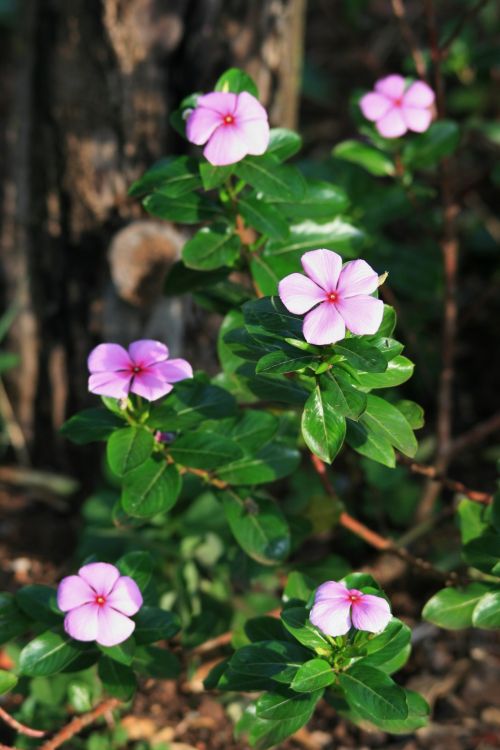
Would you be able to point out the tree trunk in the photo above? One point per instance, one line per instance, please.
(96, 81)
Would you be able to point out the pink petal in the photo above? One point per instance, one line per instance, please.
(371, 613)
(323, 267)
(298, 293)
(249, 108)
(417, 119)
(126, 596)
(201, 124)
(323, 325)
(374, 106)
(357, 277)
(331, 590)
(255, 133)
(147, 352)
(332, 618)
(81, 623)
(100, 576)
(226, 146)
(362, 314)
(173, 370)
(419, 94)
(108, 358)
(113, 627)
(72, 592)
(150, 386)
(222, 102)
(392, 124)
(392, 86)
(112, 384)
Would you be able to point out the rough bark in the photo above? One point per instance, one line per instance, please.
(96, 80)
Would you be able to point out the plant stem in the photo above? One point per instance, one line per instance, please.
(80, 722)
(18, 727)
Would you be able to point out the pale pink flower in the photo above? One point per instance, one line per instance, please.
(98, 603)
(336, 609)
(144, 369)
(232, 126)
(340, 297)
(395, 110)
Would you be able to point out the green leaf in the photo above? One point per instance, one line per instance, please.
(123, 652)
(278, 388)
(322, 202)
(157, 662)
(296, 621)
(472, 520)
(258, 526)
(285, 255)
(236, 81)
(155, 624)
(296, 710)
(412, 412)
(150, 489)
(373, 693)
(453, 608)
(211, 247)
(190, 208)
(399, 370)
(386, 420)
(384, 647)
(49, 653)
(269, 317)
(323, 429)
(486, 613)
(266, 174)
(264, 628)
(128, 448)
(370, 444)
(265, 279)
(286, 704)
(418, 714)
(277, 660)
(137, 565)
(91, 425)
(361, 356)
(205, 450)
(426, 149)
(40, 603)
(272, 462)
(283, 143)
(13, 622)
(313, 675)
(117, 679)
(341, 395)
(374, 161)
(79, 696)
(213, 177)
(286, 359)
(7, 681)
(263, 217)
(182, 279)
(191, 402)
(172, 177)
(483, 552)
(254, 429)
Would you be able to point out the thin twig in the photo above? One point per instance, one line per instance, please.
(470, 13)
(476, 434)
(399, 11)
(375, 540)
(431, 472)
(80, 722)
(18, 727)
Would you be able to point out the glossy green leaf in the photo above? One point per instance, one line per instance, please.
(483, 552)
(386, 420)
(277, 660)
(426, 149)
(283, 143)
(323, 428)
(285, 704)
(205, 450)
(452, 608)
(322, 202)
(269, 317)
(286, 359)
(382, 648)
(191, 402)
(128, 448)
(13, 621)
(212, 176)
(264, 217)
(49, 653)
(313, 675)
(486, 613)
(157, 662)
(296, 621)
(171, 177)
(117, 679)
(373, 693)
(412, 412)
(236, 81)
(91, 425)
(341, 394)
(150, 489)
(370, 444)
(258, 526)
(190, 208)
(7, 681)
(266, 174)
(399, 370)
(123, 652)
(211, 247)
(137, 565)
(254, 429)
(370, 158)
(272, 462)
(284, 255)
(155, 624)
(40, 603)
(290, 712)
(361, 355)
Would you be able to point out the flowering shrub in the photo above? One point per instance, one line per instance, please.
(196, 511)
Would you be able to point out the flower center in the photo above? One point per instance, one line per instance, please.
(353, 598)
(398, 102)
(100, 600)
(332, 297)
(136, 369)
(228, 120)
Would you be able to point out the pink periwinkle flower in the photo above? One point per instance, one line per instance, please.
(336, 609)
(232, 126)
(340, 297)
(144, 369)
(98, 603)
(395, 110)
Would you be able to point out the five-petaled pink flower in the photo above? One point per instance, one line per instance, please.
(145, 370)
(395, 110)
(336, 608)
(98, 603)
(233, 124)
(340, 297)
